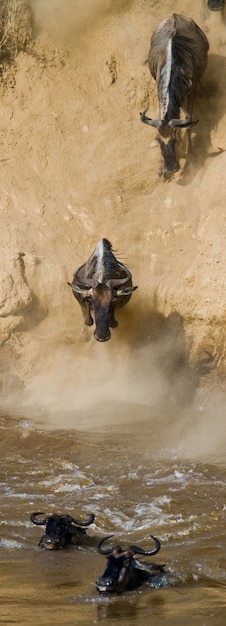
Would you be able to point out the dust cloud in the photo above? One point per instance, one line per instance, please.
(90, 169)
(115, 390)
(79, 383)
(68, 21)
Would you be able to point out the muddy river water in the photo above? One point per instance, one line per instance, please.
(138, 479)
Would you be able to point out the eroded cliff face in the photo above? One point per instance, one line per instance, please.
(77, 165)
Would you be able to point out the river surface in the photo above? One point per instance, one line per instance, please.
(138, 479)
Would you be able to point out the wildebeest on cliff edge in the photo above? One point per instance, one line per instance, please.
(177, 59)
(100, 285)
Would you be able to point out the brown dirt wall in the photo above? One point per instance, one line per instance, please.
(77, 165)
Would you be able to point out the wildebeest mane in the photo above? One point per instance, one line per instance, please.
(180, 83)
(106, 267)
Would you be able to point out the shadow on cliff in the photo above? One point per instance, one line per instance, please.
(33, 315)
(164, 339)
(209, 109)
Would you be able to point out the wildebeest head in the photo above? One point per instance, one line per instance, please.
(61, 530)
(102, 298)
(100, 285)
(167, 139)
(123, 572)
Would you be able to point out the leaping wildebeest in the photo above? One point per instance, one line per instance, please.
(61, 531)
(123, 572)
(177, 59)
(100, 285)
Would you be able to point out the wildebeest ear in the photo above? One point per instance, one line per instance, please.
(126, 291)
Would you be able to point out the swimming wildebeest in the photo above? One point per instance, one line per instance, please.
(177, 59)
(100, 285)
(123, 572)
(61, 531)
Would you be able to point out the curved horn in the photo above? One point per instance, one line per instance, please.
(113, 282)
(148, 120)
(36, 521)
(85, 283)
(137, 550)
(175, 123)
(87, 523)
(100, 542)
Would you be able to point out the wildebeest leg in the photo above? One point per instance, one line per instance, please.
(85, 306)
(113, 323)
(189, 142)
(191, 99)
